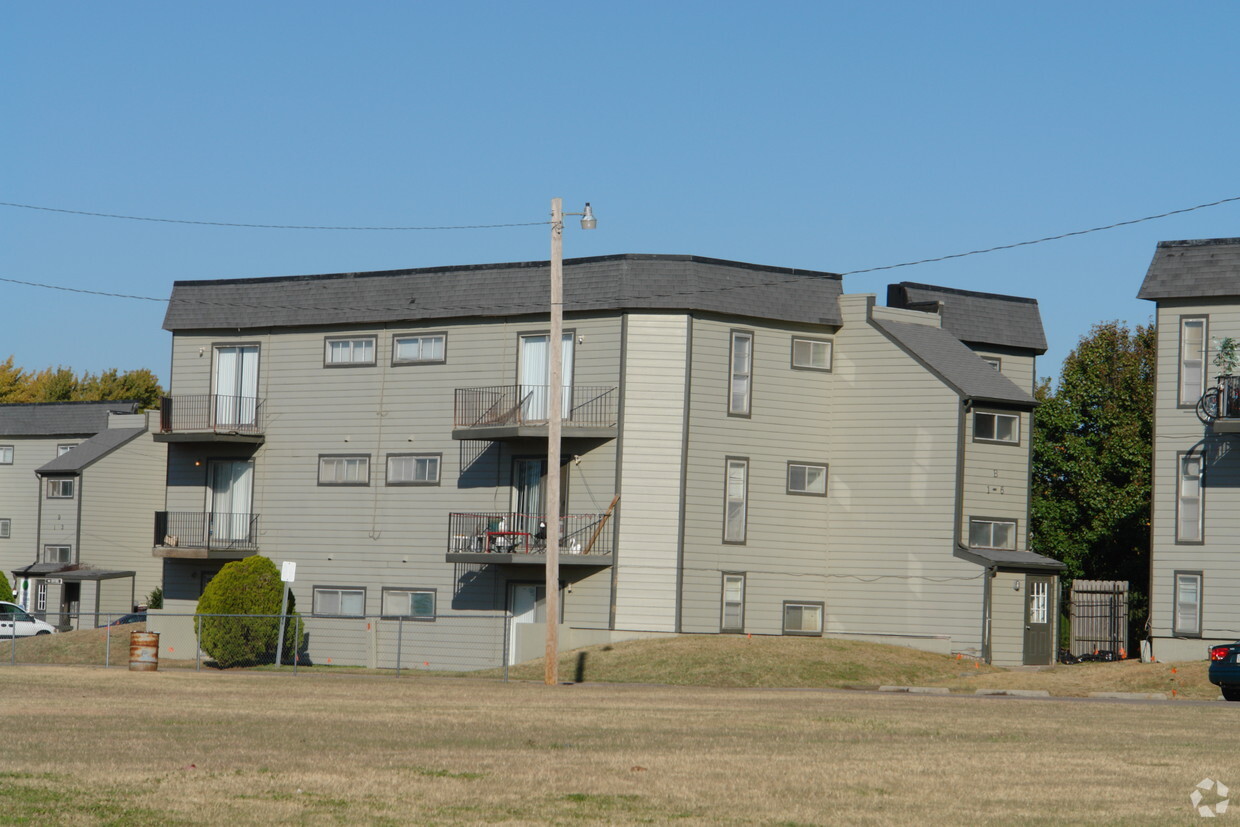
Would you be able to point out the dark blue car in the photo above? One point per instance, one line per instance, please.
(1225, 669)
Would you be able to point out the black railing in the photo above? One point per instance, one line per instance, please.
(505, 405)
(511, 533)
(212, 412)
(210, 530)
(1221, 401)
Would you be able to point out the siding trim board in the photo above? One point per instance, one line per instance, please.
(686, 412)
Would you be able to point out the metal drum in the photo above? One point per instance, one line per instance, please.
(143, 651)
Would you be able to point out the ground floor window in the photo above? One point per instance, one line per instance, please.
(733, 615)
(802, 618)
(1187, 603)
(58, 554)
(416, 604)
(339, 602)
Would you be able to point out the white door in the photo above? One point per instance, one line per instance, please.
(534, 375)
(236, 385)
(230, 492)
(527, 603)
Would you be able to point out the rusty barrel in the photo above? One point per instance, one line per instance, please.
(143, 651)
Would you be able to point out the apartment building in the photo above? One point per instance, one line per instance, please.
(745, 450)
(1195, 514)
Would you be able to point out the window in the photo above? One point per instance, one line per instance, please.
(6, 529)
(811, 354)
(735, 494)
(1188, 508)
(354, 351)
(61, 450)
(40, 596)
(741, 369)
(58, 554)
(1187, 603)
(733, 618)
(985, 533)
(352, 469)
(994, 361)
(1192, 359)
(802, 618)
(337, 602)
(807, 478)
(6, 454)
(418, 604)
(60, 489)
(413, 469)
(996, 427)
(420, 349)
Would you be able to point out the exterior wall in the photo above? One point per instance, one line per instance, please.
(784, 555)
(1007, 618)
(996, 477)
(1177, 430)
(1017, 365)
(20, 497)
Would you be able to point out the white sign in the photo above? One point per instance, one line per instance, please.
(288, 571)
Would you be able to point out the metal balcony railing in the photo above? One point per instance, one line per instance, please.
(206, 530)
(511, 533)
(212, 412)
(1221, 401)
(510, 405)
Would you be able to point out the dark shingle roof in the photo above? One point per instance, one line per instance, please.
(1188, 269)
(1012, 559)
(59, 418)
(83, 454)
(960, 368)
(602, 283)
(977, 318)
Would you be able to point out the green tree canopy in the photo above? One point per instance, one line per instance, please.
(60, 384)
(1092, 442)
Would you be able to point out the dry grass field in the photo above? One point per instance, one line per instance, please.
(94, 746)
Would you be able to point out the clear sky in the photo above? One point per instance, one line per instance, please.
(819, 135)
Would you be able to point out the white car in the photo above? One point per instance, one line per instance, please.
(16, 621)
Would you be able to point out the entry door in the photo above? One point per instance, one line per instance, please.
(527, 603)
(70, 604)
(230, 489)
(534, 375)
(1039, 614)
(236, 385)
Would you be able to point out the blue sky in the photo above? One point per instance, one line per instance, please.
(820, 135)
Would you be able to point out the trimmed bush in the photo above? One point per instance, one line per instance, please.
(6, 591)
(246, 587)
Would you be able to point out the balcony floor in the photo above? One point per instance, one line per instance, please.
(567, 431)
(528, 559)
(183, 553)
(208, 436)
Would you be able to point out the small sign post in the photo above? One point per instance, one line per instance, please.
(288, 573)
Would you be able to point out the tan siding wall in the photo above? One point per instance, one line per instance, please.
(1007, 619)
(20, 493)
(996, 479)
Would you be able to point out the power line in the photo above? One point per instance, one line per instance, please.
(262, 226)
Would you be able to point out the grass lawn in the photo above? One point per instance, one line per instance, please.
(96, 746)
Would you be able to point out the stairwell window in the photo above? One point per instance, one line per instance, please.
(58, 554)
(736, 494)
(1187, 604)
(996, 427)
(356, 351)
(740, 381)
(346, 469)
(60, 489)
(988, 533)
(1189, 500)
(6, 454)
(1192, 359)
(339, 602)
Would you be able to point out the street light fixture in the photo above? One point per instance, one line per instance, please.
(554, 417)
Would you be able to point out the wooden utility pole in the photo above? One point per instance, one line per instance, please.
(555, 349)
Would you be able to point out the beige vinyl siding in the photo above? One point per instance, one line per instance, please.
(654, 394)
(1177, 430)
(996, 478)
(1014, 364)
(785, 553)
(893, 475)
(20, 494)
(1007, 619)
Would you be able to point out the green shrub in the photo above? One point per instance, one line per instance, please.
(246, 587)
(6, 591)
(155, 600)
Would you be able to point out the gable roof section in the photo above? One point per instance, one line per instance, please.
(620, 282)
(958, 367)
(977, 318)
(90, 451)
(1190, 269)
(1011, 559)
(59, 418)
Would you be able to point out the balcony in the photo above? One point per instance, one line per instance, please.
(1219, 406)
(205, 536)
(515, 411)
(210, 418)
(505, 537)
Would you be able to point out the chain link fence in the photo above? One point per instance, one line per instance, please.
(444, 643)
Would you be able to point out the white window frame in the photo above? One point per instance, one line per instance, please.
(1192, 379)
(329, 601)
(6, 454)
(395, 599)
(40, 595)
(809, 347)
(994, 417)
(432, 348)
(6, 528)
(817, 610)
(735, 500)
(799, 474)
(1190, 499)
(334, 469)
(994, 361)
(740, 374)
(64, 554)
(429, 462)
(61, 450)
(990, 524)
(61, 488)
(360, 351)
(1186, 614)
(732, 596)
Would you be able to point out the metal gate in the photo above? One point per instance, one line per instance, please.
(1098, 610)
